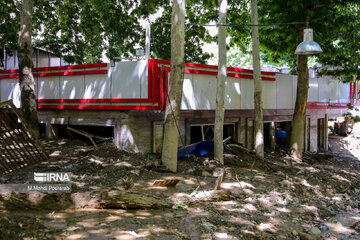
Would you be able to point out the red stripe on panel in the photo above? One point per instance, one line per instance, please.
(188, 64)
(98, 107)
(9, 76)
(88, 72)
(66, 67)
(97, 100)
(51, 74)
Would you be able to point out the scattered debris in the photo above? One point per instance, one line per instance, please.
(89, 135)
(166, 183)
(132, 200)
(18, 147)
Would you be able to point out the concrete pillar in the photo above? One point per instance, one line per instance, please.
(321, 133)
(241, 131)
(124, 136)
(272, 136)
(307, 135)
(250, 134)
(313, 135)
(51, 130)
(326, 136)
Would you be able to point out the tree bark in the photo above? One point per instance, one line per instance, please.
(132, 200)
(172, 113)
(297, 132)
(221, 77)
(26, 78)
(258, 104)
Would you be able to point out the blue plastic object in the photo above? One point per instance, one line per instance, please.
(280, 134)
(198, 149)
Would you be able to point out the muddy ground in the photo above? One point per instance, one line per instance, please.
(274, 198)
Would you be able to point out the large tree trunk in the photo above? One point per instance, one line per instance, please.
(258, 105)
(297, 132)
(27, 83)
(171, 132)
(219, 113)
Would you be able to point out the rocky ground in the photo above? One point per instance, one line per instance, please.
(274, 198)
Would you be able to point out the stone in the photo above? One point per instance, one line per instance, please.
(295, 233)
(315, 231)
(206, 174)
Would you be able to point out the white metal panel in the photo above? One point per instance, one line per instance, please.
(344, 92)
(126, 80)
(188, 100)
(269, 94)
(10, 90)
(72, 87)
(205, 89)
(97, 86)
(54, 61)
(43, 60)
(295, 81)
(313, 93)
(232, 98)
(323, 89)
(199, 92)
(334, 91)
(143, 75)
(10, 63)
(247, 96)
(284, 91)
(48, 87)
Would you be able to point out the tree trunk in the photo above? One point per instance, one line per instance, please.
(27, 83)
(132, 200)
(172, 113)
(219, 113)
(297, 132)
(258, 105)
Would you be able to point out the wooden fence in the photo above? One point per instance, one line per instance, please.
(18, 148)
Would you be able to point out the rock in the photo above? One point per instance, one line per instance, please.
(315, 231)
(356, 226)
(323, 227)
(295, 233)
(348, 208)
(206, 174)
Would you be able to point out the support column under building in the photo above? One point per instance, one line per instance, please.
(272, 136)
(241, 131)
(250, 134)
(313, 135)
(51, 130)
(326, 136)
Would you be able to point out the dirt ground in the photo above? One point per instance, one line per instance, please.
(274, 198)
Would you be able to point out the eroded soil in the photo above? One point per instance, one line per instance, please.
(274, 198)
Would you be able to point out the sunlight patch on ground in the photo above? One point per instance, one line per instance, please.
(239, 220)
(77, 236)
(55, 154)
(283, 210)
(266, 227)
(338, 177)
(240, 184)
(339, 228)
(128, 235)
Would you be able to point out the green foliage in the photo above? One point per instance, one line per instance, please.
(181, 204)
(335, 24)
(195, 36)
(81, 30)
